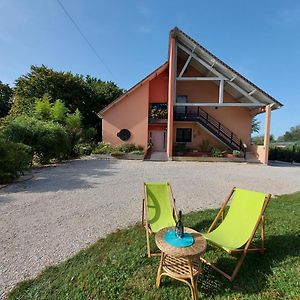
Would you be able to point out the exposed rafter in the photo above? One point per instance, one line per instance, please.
(185, 66)
(221, 91)
(201, 78)
(217, 73)
(217, 104)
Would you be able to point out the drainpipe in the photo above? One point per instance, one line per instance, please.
(171, 93)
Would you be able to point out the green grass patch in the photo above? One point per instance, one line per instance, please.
(117, 268)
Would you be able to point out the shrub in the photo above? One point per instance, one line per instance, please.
(15, 158)
(103, 148)
(285, 154)
(73, 127)
(89, 134)
(216, 152)
(236, 153)
(59, 111)
(126, 148)
(117, 154)
(47, 139)
(42, 108)
(83, 149)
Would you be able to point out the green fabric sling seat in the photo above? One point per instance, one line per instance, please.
(237, 229)
(157, 210)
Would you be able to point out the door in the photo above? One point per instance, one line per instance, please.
(180, 109)
(158, 139)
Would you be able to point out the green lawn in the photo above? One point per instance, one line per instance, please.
(117, 268)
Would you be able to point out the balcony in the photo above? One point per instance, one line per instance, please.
(158, 113)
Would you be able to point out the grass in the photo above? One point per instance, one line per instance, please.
(117, 268)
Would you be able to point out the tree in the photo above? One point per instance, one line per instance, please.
(255, 126)
(293, 135)
(59, 111)
(259, 139)
(89, 95)
(43, 108)
(6, 94)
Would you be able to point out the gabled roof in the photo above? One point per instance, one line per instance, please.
(149, 77)
(236, 84)
(217, 65)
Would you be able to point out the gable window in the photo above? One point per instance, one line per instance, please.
(183, 135)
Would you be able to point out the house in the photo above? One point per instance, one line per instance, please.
(192, 101)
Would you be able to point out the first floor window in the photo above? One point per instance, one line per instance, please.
(183, 135)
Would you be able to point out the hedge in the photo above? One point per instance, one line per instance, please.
(15, 158)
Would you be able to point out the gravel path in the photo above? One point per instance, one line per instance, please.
(47, 219)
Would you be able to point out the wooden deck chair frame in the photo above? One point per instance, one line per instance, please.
(145, 218)
(248, 246)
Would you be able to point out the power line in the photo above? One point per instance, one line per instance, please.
(85, 38)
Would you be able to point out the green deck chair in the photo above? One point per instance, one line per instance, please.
(238, 228)
(157, 211)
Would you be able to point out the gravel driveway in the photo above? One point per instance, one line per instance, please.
(63, 209)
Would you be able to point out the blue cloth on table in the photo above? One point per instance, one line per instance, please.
(171, 238)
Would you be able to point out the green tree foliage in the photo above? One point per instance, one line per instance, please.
(47, 139)
(89, 95)
(293, 135)
(73, 127)
(43, 108)
(259, 139)
(15, 158)
(59, 111)
(6, 94)
(255, 125)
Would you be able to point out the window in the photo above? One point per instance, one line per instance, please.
(180, 109)
(183, 135)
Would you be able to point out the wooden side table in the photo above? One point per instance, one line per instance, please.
(182, 264)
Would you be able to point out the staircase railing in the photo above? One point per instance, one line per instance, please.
(214, 126)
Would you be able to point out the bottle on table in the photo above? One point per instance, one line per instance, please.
(179, 226)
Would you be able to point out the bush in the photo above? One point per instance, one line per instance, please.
(83, 149)
(216, 152)
(103, 148)
(285, 154)
(117, 153)
(59, 111)
(47, 139)
(236, 153)
(42, 108)
(126, 148)
(73, 127)
(89, 134)
(15, 158)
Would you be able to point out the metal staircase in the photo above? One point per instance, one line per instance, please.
(224, 134)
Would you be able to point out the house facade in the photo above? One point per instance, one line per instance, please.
(193, 101)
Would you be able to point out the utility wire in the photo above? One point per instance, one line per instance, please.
(85, 38)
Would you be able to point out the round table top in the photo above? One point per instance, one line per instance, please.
(197, 248)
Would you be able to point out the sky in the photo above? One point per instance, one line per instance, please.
(258, 38)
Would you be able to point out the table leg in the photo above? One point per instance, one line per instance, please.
(158, 277)
(193, 281)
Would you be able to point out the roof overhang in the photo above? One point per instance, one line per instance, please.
(242, 89)
(149, 77)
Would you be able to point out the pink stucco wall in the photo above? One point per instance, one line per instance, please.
(130, 113)
(158, 88)
(199, 134)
